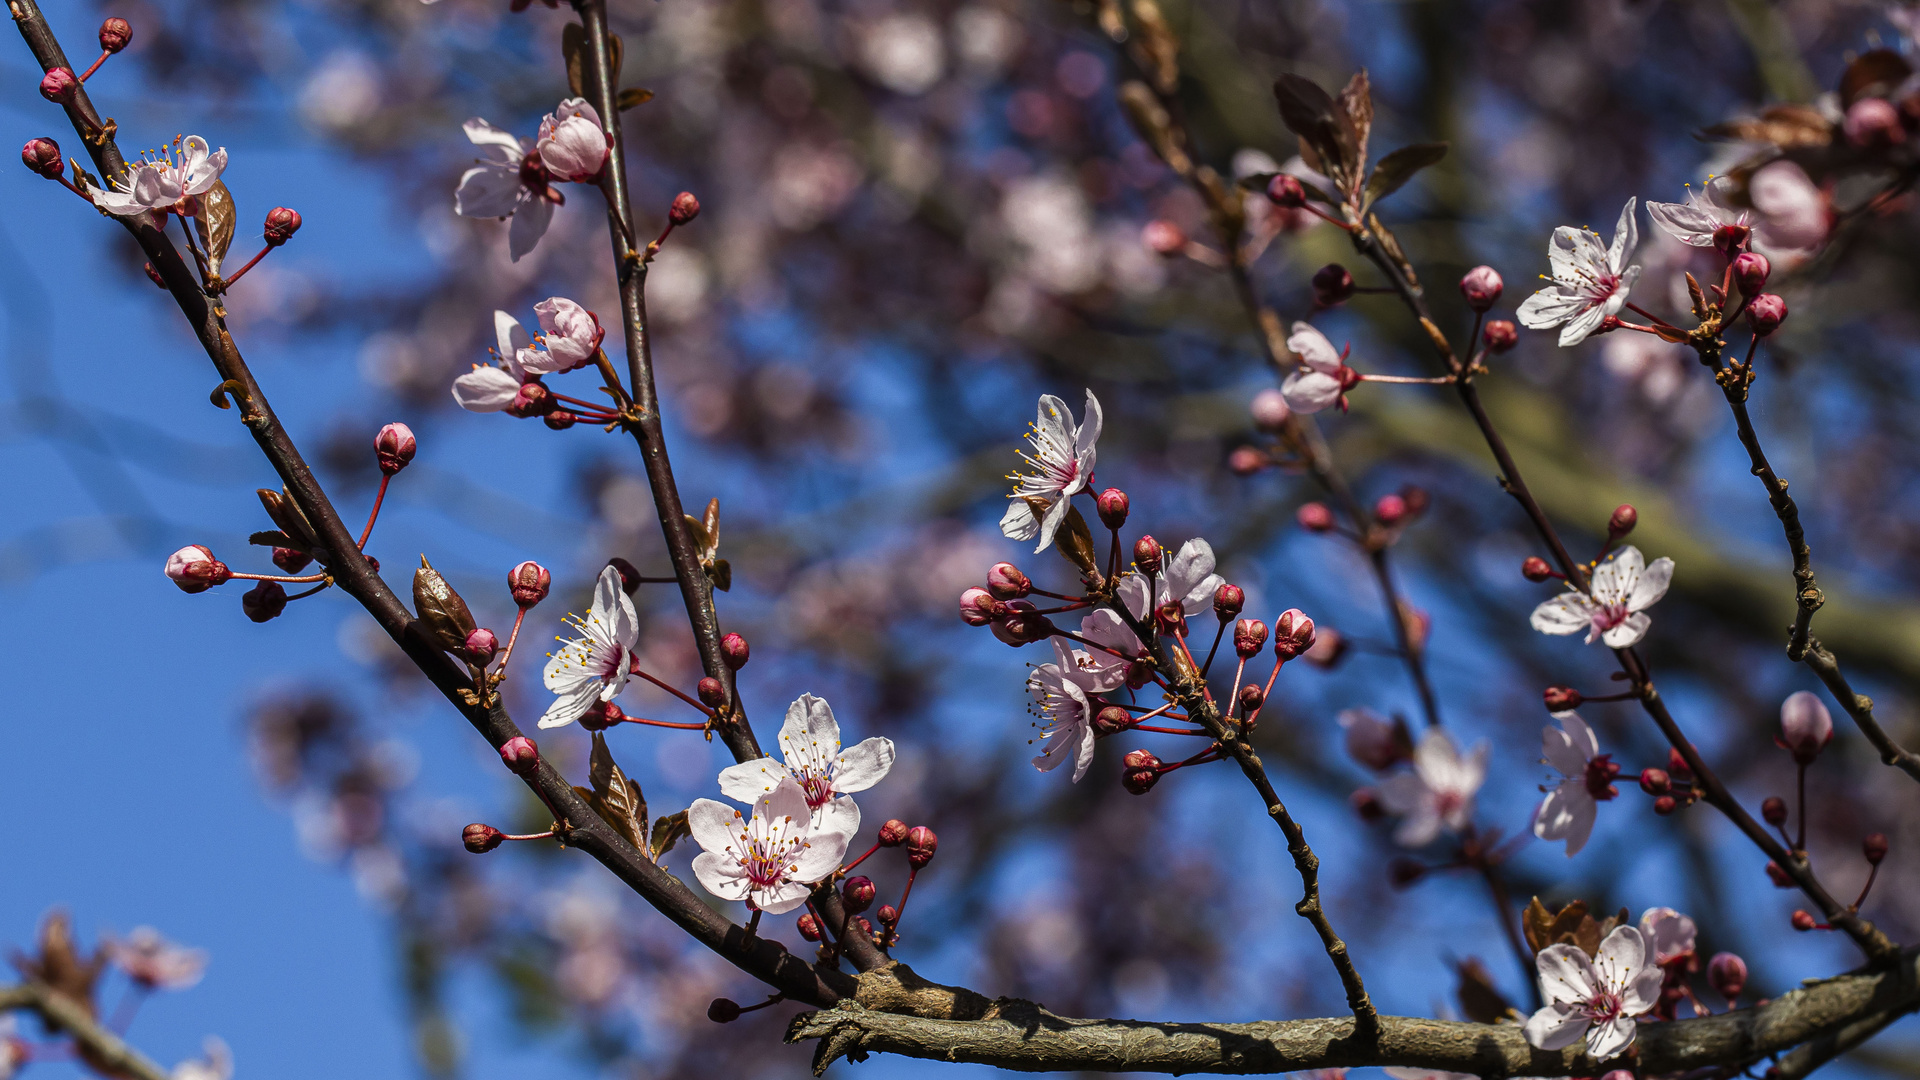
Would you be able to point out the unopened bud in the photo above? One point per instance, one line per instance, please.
(1171, 618)
(266, 600)
(712, 694)
(43, 157)
(723, 1011)
(1500, 335)
(481, 839)
(809, 927)
(1750, 270)
(1535, 568)
(1731, 238)
(630, 577)
(1332, 285)
(1403, 872)
(59, 85)
(1416, 498)
(888, 915)
(1251, 699)
(1781, 879)
(1624, 518)
(893, 833)
(1366, 803)
(520, 755)
(1113, 505)
(1006, 582)
(1111, 720)
(1270, 410)
(1146, 555)
(1390, 510)
(978, 607)
(1328, 649)
(291, 561)
(1247, 460)
(601, 715)
(1874, 847)
(1286, 191)
(194, 569)
(529, 583)
(482, 645)
(1765, 313)
(1728, 974)
(921, 844)
(1481, 287)
(1805, 726)
(1804, 921)
(1677, 764)
(1665, 804)
(685, 208)
(1655, 781)
(282, 223)
(115, 33)
(1773, 809)
(1292, 634)
(1374, 741)
(1315, 517)
(394, 446)
(1139, 781)
(532, 399)
(857, 894)
(1249, 637)
(1163, 237)
(1873, 122)
(1021, 624)
(560, 420)
(1560, 699)
(1228, 600)
(733, 649)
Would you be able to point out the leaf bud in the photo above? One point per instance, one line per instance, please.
(59, 85)
(1249, 637)
(1750, 270)
(559, 420)
(1270, 410)
(529, 583)
(921, 844)
(1146, 555)
(711, 693)
(1163, 237)
(1287, 191)
(1805, 726)
(1006, 582)
(1391, 510)
(265, 601)
(1765, 313)
(978, 607)
(480, 838)
(809, 926)
(1773, 809)
(893, 833)
(1251, 699)
(1500, 335)
(1560, 699)
(1803, 921)
(1247, 460)
(723, 1011)
(685, 208)
(394, 446)
(1781, 879)
(1292, 634)
(520, 755)
(1228, 600)
(43, 157)
(1481, 287)
(290, 560)
(282, 223)
(1874, 847)
(1728, 975)
(1332, 286)
(888, 915)
(1624, 518)
(857, 894)
(482, 645)
(115, 33)
(1111, 720)
(733, 649)
(1655, 781)
(1535, 568)
(1315, 517)
(194, 569)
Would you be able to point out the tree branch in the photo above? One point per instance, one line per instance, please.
(1860, 707)
(99, 1048)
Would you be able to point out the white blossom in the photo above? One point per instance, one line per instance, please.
(1062, 460)
(1572, 803)
(772, 860)
(1705, 212)
(594, 667)
(1187, 577)
(1669, 935)
(571, 143)
(827, 775)
(510, 183)
(1614, 610)
(217, 1065)
(156, 963)
(492, 387)
(163, 181)
(1590, 281)
(1596, 998)
(1325, 376)
(1437, 792)
(570, 336)
(1062, 698)
(1102, 670)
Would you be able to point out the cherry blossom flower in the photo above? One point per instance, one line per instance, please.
(1589, 282)
(1325, 377)
(216, 1065)
(827, 775)
(1061, 696)
(489, 387)
(163, 182)
(1705, 212)
(1187, 577)
(1596, 999)
(594, 667)
(513, 183)
(1103, 671)
(1437, 792)
(1586, 780)
(571, 143)
(1669, 935)
(771, 860)
(1623, 588)
(1795, 215)
(571, 335)
(1062, 459)
(156, 963)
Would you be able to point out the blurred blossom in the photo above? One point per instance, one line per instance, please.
(343, 93)
(380, 875)
(1438, 791)
(1080, 74)
(1795, 215)
(904, 53)
(156, 963)
(1049, 218)
(677, 284)
(217, 1064)
(987, 38)
(808, 184)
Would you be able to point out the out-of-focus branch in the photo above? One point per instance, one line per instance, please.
(100, 1048)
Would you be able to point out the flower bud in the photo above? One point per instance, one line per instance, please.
(1765, 313)
(482, 645)
(978, 607)
(1287, 191)
(194, 569)
(1665, 804)
(921, 844)
(1228, 600)
(1773, 809)
(394, 446)
(1374, 741)
(1163, 237)
(1020, 624)
(1873, 122)
(733, 648)
(723, 1011)
(1804, 921)
(1270, 410)
(1731, 238)
(601, 715)
(1481, 286)
(1110, 720)
(1728, 974)
(629, 574)
(1402, 872)
(115, 33)
(1247, 460)
(1780, 878)
(533, 399)
(266, 600)
(711, 693)
(282, 223)
(1624, 518)
(1315, 517)
(1535, 568)
(59, 85)
(1500, 335)
(1113, 505)
(1750, 270)
(1416, 498)
(1146, 555)
(559, 420)
(1655, 781)
(1249, 636)
(857, 894)
(520, 755)
(1805, 726)
(809, 927)
(1328, 649)
(1139, 781)
(1560, 699)
(1292, 634)
(290, 561)
(1171, 618)
(893, 833)
(1874, 847)
(888, 915)
(1677, 765)
(481, 839)
(685, 208)
(43, 157)
(1006, 582)
(1251, 699)
(1366, 803)
(1390, 510)
(529, 583)
(1332, 285)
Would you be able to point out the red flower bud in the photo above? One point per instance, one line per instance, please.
(194, 569)
(282, 223)
(482, 645)
(1874, 847)
(394, 446)
(1332, 285)
(857, 894)
(1765, 313)
(1269, 409)
(1780, 878)
(1113, 505)
(1328, 649)
(1624, 518)
(1111, 720)
(1228, 600)
(559, 420)
(685, 208)
(1665, 804)
(1247, 460)
(1249, 637)
(809, 927)
(1315, 517)
(1750, 270)
(43, 157)
(629, 574)
(978, 607)
(733, 648)
(115, 33)
(1481, 286)
(1677, 765)
(723, 1011)
(601, 715)
(1020, 624)
(1804, 921)
(1390, 510)
(1535, 568)
(1292, 634)
(520, 755)
(481, 839)
(1728, 975)
(1251, 699)
(1146, 555)
(1286, 191)
(529, 583)
(1500, 335)
(291, 561)
(1416, 498)
(712, 694)
(1006, 582)
(888, 915)
(921, 844)
(1562, 698)
(1163, 237)
(264, 601)
(59, 85)
(1774, 810)
(893, 833)
(1655, 781)
(534, 399)
(1139, 781)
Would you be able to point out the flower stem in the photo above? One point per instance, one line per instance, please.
(637, 670)
(374, 514)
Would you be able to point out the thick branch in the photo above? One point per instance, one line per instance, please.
(98, 1047)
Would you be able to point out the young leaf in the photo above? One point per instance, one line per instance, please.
(1480, 1000)
(440, 608)
(614, 797)
(701, 545)
(667, 832)
(632, 97)
(214, 223)
(1357, 100)
(286, 514)
(574, 46)
(1075, 541)
(1328, 140)
(1400, 166)
(712, 521)
(270, 539)
(721, 574)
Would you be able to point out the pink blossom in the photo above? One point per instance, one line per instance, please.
(571, 335)
(1614, 610)
(1590, 281)
(1062, 459)
(1596, 999)
(572, 144)
(1322, 379)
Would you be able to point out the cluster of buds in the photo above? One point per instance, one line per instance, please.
(1139, 771)
(1001, 605)
(1399, 509)
(1673, 787)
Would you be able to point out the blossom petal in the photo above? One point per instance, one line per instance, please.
(747, 781)
(510, 337)
(1019, 522)
(1133, 593)
(1668, 934)
(1652, 585)
(571, 704)
(1626, 237)
(1621, 956)
(1567, 813)
(1688, 222)
(1605, 1040)
(1556, 1027)
(826, 847)
(485, 389)
(1310, 391)
(714, 825)
(786, 800)
(614, 609)
(1616, 579)
(1189, 569)
(809, 734)
(1568, 613)
(487, 191)
(481, 133)
(1628, 633)
(1083, 753)
(1566, 751)
(839, 815)
(1090, 424)
(1313, 349)
(1566, 975)
(529, 225)
(863, 765)
(721, 875)
(781, 898)
(1050, 525)
(1551, 306)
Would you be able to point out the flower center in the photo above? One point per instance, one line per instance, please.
(818, 788)
(1608, 616)
(1448, 803)
(1605, 1006)
(1599, 777)
(769, 857)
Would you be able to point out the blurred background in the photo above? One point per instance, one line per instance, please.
(918, 215)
